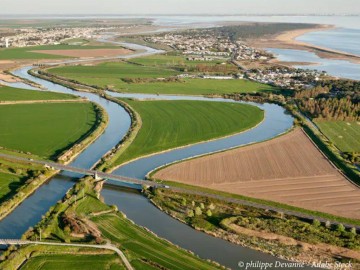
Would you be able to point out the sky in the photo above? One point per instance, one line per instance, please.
(119, 7)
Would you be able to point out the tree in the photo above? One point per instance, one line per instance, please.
(183, 202)
(209, 213)
(316, 223)
(202, 206)
(190, 213)
(340, 228)
(198, 211)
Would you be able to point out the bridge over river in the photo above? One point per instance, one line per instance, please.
(127, 180)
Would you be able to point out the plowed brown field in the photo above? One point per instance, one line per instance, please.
(288, 169)
(86, 52)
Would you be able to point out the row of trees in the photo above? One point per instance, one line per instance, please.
(331, 109)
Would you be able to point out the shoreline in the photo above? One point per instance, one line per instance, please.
(287, 40)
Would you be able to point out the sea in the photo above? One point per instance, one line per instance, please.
(345, 37)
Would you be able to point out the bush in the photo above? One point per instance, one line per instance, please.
(340, 228)
(202, 206)
(316, 223)
(209, 213)
(198, 211)
(190, 213)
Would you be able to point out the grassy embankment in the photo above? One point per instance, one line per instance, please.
(29, 53)
(345, 135)
(81, 217)
(155, 75)
(53, 257)
(170, 124)
(270, 231)
(57, 130)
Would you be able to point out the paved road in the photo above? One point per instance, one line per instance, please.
(107, 246)
(123, 179)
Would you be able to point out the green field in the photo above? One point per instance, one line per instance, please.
(27, 53)
(73, 262)
(345, 135)
(110, 75)
(44, 129)
(171, 61)
(15, 94)
(170, 124)
(145, 245)
(144, 250)
(8, 183)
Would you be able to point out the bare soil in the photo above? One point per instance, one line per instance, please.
(288, 169)
(86, 52)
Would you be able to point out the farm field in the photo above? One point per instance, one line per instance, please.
(174, 61)
(144, 250)
(15, 94)
(142, 244)
(8, 183)
(13, 175)
(345, 135)
(170, 124)
(37, 52)
(73, 262)
(45, 129)
(110, 75)
(288, 169)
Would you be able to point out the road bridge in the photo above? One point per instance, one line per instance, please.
(189, 190)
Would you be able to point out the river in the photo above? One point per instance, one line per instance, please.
(133, 204)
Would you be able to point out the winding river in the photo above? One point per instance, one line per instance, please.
(133, 204)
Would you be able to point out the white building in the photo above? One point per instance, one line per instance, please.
(7, 43)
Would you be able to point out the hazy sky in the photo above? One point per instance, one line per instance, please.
(177, 6)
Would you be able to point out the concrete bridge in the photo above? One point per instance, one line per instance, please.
(128, 180)
(96, 174)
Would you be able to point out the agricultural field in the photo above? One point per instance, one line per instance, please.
(61, 257)
(45, 129)
(177, 61)
(113, 76)
(144, 250)
(13, 175)
(73, 262)
(170, 124)
(345, 135)
(54, 52)
(16, 94)
(288, 170)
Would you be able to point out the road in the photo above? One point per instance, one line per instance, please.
(108, 246)
(123, 179)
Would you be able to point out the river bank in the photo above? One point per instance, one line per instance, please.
(215, 218)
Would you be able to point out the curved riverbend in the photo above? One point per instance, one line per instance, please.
(134, 205)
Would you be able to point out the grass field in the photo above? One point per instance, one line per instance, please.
(26, 53)
(110, 75)
(46, 257)
(73, 262)
(171, 61)
(15, 94)
(8, 183)
(144, 250)
(170, 124)
(44, 129)
(145, 245)
(345, 135)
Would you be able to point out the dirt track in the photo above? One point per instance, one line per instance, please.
(86, 52)
(288, 169)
